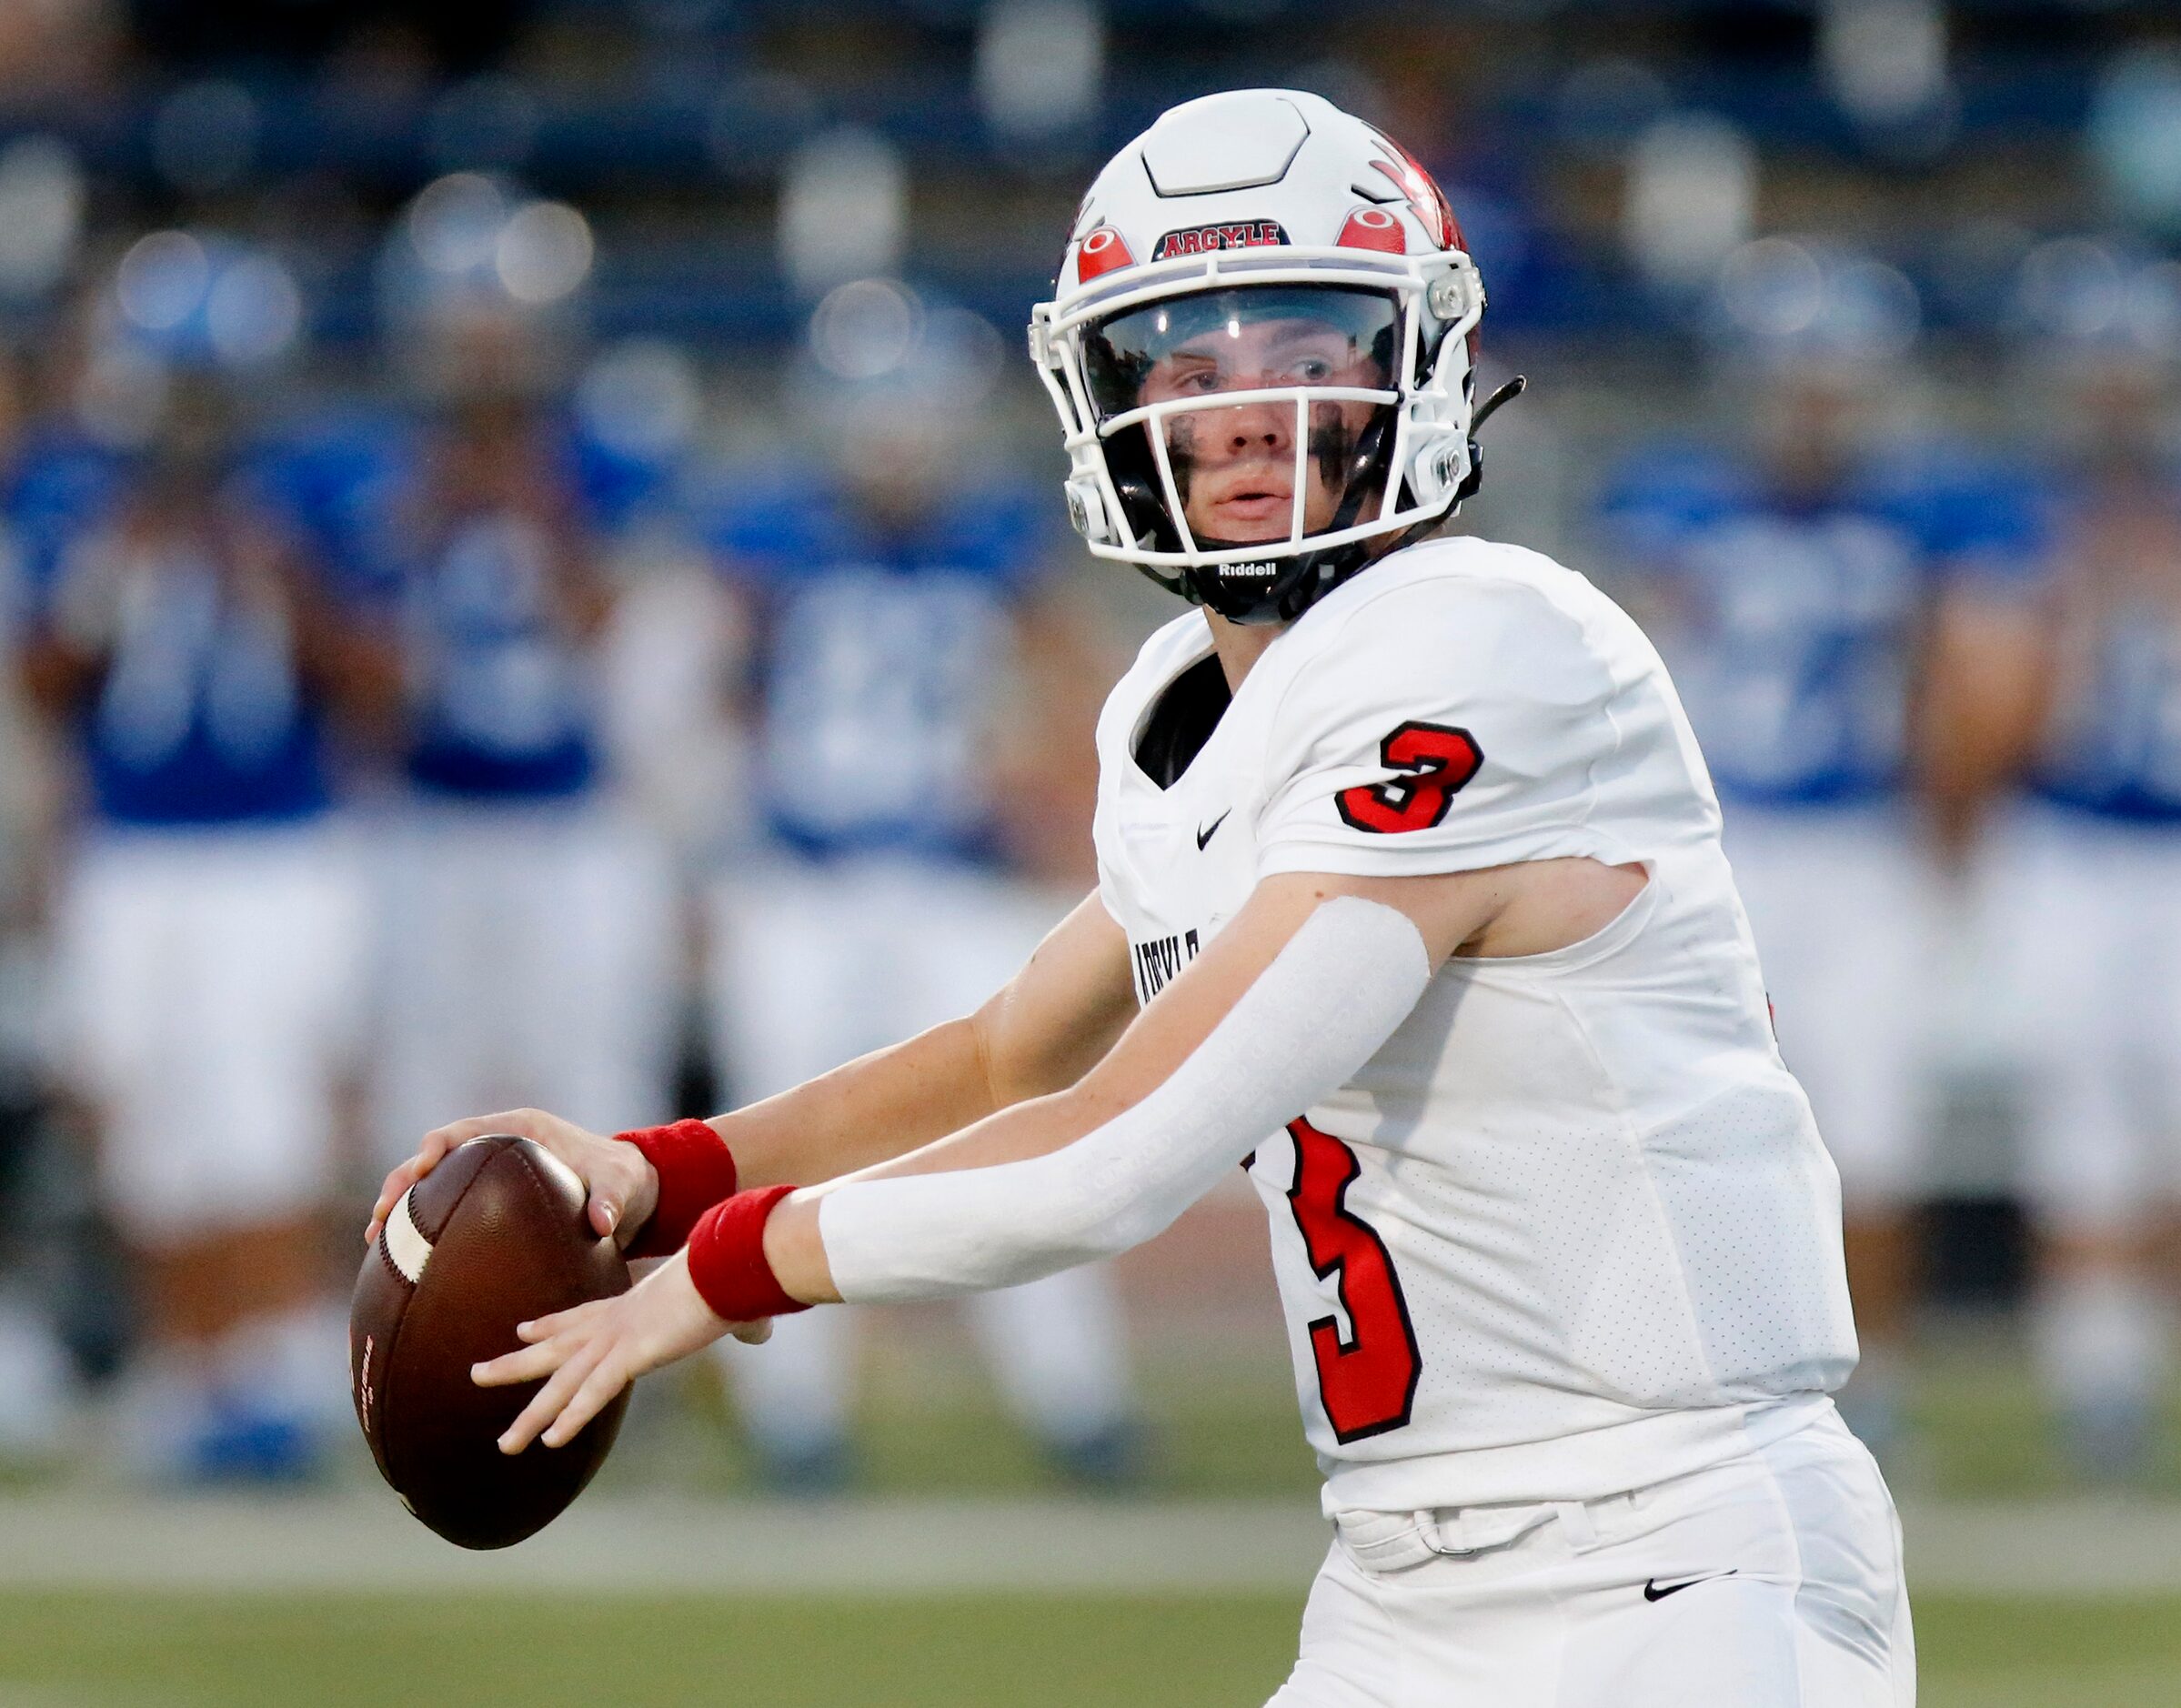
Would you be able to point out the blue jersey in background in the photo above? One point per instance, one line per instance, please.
(500, 701)
(881, 660)
(200, 715)
(500, 697)
(2114, 748)
(1795, 623)
(61, 485)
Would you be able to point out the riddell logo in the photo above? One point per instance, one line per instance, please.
(1246, 234)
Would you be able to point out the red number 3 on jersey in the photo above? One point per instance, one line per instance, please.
(1368, 1380)
(1440, 761)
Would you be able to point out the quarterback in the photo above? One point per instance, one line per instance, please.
(1411, 904)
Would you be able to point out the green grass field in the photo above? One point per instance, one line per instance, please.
(1224, 1426)
(180, 1651)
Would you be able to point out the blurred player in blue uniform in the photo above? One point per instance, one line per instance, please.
(209, 932)
(886, 891)
(33, 1366)
(529, 917)
(2099, 850)
(1826, 603)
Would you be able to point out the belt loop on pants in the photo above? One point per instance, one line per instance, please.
(1575, 1518)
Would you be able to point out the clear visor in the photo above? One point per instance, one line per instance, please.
(1247, 416)
(1240, 339)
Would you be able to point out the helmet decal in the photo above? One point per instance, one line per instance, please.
(1244, 234)
(1426, 199)
(1102, 252)
(1373, 229)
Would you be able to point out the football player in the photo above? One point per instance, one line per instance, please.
(1411, 903)
(208, 935)
(33, 1378)
(2100, 847)
(513, 856)
(1842, 614)
(887, 610)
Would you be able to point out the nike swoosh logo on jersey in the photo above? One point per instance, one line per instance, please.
(1654, 1591)
(1211, 830)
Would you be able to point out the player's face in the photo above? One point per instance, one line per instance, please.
(1235, 465)
(1814, 424)
(2116, 414)
(892, 463)
(1240, 460)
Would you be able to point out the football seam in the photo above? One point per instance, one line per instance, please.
(394, 1341)
(550, 1201)
(375, 1431)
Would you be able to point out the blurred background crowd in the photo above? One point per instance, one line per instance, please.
(533, 574)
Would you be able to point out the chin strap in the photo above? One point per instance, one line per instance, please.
(1505, 393)
(1310, 575)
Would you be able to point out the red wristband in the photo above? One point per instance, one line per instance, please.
(696, 1171)
(726, 1259)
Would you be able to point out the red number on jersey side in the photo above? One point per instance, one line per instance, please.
(1442, 761)
(1369, 1381)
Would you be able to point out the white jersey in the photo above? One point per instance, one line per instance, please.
(1571, 1226)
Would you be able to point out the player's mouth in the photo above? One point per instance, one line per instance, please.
(1253, 508)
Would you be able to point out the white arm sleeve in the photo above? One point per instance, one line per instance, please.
(1331, 996)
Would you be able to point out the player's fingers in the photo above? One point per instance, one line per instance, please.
(526, 1363)
(613, 1172)
(441, 1140)
(561, 1323)
(753, 1333)
(390, 1195)
(547, 1402)
(430, 1152)
(432, 1149)
(598, 1390)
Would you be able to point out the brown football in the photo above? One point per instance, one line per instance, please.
(493, 1236)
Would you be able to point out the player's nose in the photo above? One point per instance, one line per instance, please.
(1255, 427)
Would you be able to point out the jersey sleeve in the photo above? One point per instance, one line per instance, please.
(1445, 729)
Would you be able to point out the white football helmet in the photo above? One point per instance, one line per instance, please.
(1261, 345)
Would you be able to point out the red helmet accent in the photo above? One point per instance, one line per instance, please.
(1373, 229)
(1101, 251)
(1423, 193)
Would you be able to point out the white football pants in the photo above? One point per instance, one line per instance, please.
(1774, 1580)
(2092, 910)
(530, 961)
(1845, 910)
(207, 1001)
(812, 967)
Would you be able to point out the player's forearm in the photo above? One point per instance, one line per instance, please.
(878, 1107)
(1102, 1175)
(1041, 1033)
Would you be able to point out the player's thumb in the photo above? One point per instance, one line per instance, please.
(605, 1210)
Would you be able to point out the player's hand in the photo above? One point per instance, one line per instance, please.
(623, 1185)
(590, 1353)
